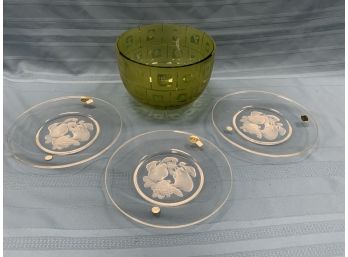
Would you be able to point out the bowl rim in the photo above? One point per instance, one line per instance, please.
(210, 55)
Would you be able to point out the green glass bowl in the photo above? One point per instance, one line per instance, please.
(165, 65)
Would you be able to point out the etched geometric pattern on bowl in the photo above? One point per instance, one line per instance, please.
(171, 87)
(67, 134)
(165, 65)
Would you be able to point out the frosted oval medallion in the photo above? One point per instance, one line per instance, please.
(67, 134)
(262, 126)
(168, 179)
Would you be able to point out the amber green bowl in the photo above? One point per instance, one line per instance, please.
(165, 65)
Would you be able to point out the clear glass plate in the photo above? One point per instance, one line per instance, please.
(64, 132)
(265, 124)
(168, 179)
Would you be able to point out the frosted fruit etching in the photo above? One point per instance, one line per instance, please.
(262, 125)
(70, 132)
(169, 176)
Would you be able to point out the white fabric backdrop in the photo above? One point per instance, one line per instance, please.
(65, 47)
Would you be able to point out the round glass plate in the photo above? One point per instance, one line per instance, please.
(64, 132)
(168, 179)
(265, 124)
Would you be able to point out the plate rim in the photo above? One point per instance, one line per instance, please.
(258, 153)
(68, 165)
(165, 226)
